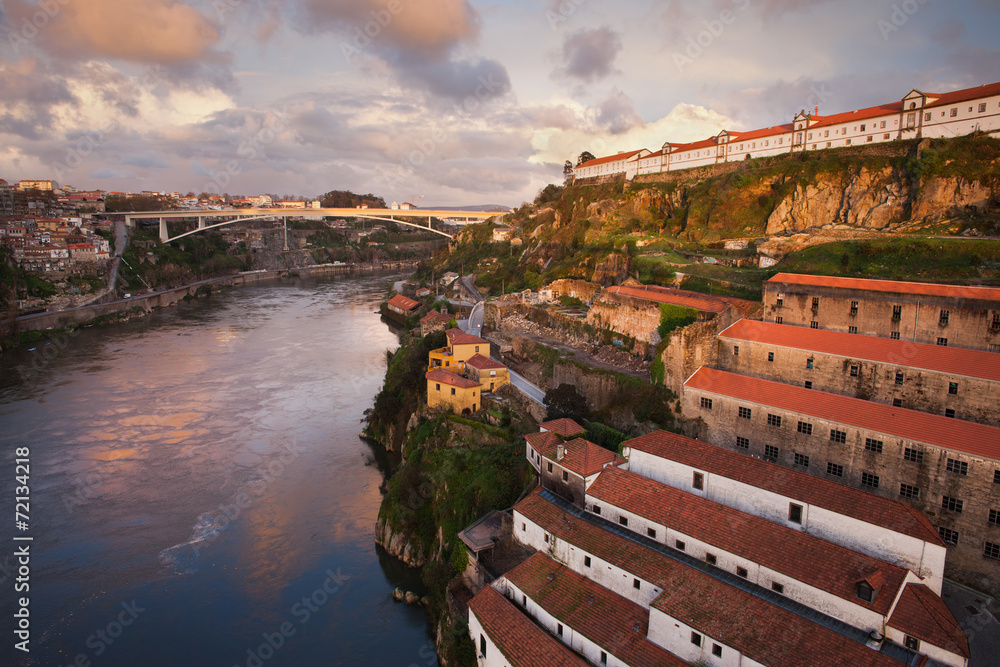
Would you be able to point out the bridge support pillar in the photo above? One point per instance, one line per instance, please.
(201, 222)
(163, 230)
(284, 219)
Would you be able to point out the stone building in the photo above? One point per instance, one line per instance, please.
(567, 467)
(947, 315)
(489, 373)
(949, 381)
(948, 469)
(434, 321)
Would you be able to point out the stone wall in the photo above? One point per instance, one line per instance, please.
(579, 289)
(626, 315)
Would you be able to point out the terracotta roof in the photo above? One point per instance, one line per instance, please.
(761, 134)
(403, 302)
(891, 109)
(951, 360)
(581, 457)
(482, 363)
(760, 630)
(988, 90)
(459, 337)
(811, 560)
(697, 145)
(565, 427)
(937, 430)
(889, 286)
(435, 316)
(924, 615)
(611, 158)
(806, 488)
(516, 636)
(616, 624)
(444, 377)
(675, 297)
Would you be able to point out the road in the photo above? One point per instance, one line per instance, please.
(469, 283)
(528, 389)
(474, 325)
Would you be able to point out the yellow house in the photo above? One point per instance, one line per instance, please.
(487, 372)
(461, 348)
(447, 390)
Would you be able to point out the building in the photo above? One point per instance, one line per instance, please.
(453, 392)
(461, 347)
(950, 381)
(564, 428)
(434, 321)
(502, 234)
(403, 306)
(489, 373)
(567, 467)
(948, 469)
(918, 115)
(41, 185)
(947, 315)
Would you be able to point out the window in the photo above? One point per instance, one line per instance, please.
(881, 125)
(897, 312)
(914, 455)
(770, 356)
(795, 513)
(452, 391)
(815, 302)
(866, 592)
(651, 533)
(777, 588)
(912, 643)
(780, 301)
(854, 308)
(635, 584)
(952, 504)
(586, 561)
(565, 476)
(597, 509)
(437, 387)
(696, 639)
(897, 402)
(771, 452)
(943, 342)
(745, 413)
(774, 420)
(680, 545)
(982, 108)
(994, 518)
(954, 112)
(699, 481)
(953, 388)
(869, 480)
(524, 526)
(873, 445)
(550, 467)
(546, 538)
(805, 428)
(863, 126)
(834, 469)
(779, 320)
(524, 600)
(808, 384)
(894, 335)
(993, 347)
(855, 371)
(927, 117)
(900, 377)
(810, 363)
(838, 436)
(802, 460)
(742, 443)
(908, 491)
(957, 467)
(949, 536)
(996, 321)
(604, 658)
(852, 330)
(996, 476)
(706, 403)
(482, 646)
(814, 325)
(711, 559)
(623, 520)
(716, 650)
(991, 550)
(742, 572)
(559, 629)
(945, 316)
(950, 413)
(736, 350)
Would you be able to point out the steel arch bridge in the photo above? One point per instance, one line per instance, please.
(233, 216)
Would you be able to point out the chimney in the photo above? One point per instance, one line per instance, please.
(560, 452)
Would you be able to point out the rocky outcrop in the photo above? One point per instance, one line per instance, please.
(612, 270)
(398, 545)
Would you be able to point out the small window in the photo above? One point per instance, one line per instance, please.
(524, 600)
(992, 551)
(680, 545)
(559, 629)
(950, 413)
(597, 509)
(736, 350)
(622, 520)
(482, 646)
(945, 316)
(771, 452)
(805, 428)
(524, 526)
(809, 363)
(636, 585)
(770, 356)
(909, 491)
(897, 402)
(982, 108)
(546, 538)
(651, 533)
(744, 443)
(897, 312)
(716, 650)
(452, 391)
(996, 321)
(953, 388)
(996, 476)
(777, 588)
(779, 320)
(438, 387)
(808, 384)
(604, 658)
(866, 592)
(949, 536)
(550, 467)
(711, 559)
(814, 325)
(852, 330)
(894, 335)
(706, 403)
(780, 301)
(699, 481)
(774, 420)
(927, 117)
(696, 639)
(854, 308)
(855, 371)
(815, 302)
(586, 561)
(912, 643)
(839, 437)
(900, 377)
(954, 112)
(873, 445)
(795, 513)
(745, 413)
(952, 504)
(565, 476)
(914, 455)
(834, 470)
(742, 572)
(801, 460)
(957, 467)
(994, 518)
(869, 480)
(943, 342)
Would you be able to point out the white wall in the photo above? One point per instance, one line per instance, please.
(933, 652)
(494, 658)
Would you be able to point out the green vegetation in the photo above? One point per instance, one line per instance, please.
(133, 203)
(674, 317)
(605, 436)
(347, 199)
(187, 260)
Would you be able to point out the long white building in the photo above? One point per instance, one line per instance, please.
(918, 115)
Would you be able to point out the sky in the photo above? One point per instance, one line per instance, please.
(462, 102)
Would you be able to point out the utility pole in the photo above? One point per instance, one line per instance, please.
(285, 220)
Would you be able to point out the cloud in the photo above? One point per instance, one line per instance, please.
(589, 55)
(105, 173)
(28, 96)
(617, 113)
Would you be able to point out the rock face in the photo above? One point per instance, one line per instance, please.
(612, 270)
(398, 545)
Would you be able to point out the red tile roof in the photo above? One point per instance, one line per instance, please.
(611, 158)
(762, 631)
(435, 316)
(761, 134)
(811, 560)
(937, 430)
(698, 145)
(444, 377)
(806, 488)
(922, 614)
(951, 360)
(565, 427)
(459, 337)
(889, 286)
(403, 302)
(988, 90)
(675, 297)
(616, 624)
(581, 457)
(482, 363)
(891, 109)
(516, 636)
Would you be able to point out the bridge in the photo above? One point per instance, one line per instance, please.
(233, 216)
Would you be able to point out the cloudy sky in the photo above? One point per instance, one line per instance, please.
(461, 101)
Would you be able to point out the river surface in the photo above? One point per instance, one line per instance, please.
(199, 494)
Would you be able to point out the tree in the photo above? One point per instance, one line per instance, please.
(566, 401)
(568, 169)
(549, 193)
(348, 199)
(585, 156)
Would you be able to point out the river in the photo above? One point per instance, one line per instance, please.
(199, 494)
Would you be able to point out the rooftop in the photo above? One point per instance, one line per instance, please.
(811, 560)
(581, 457)
(951, 360)
(516, 636)
(459, 337)
(616, 624)
(675, 297)
(889, 286)
(565, 427)
(611, 158)
(482, 363)
(403, 302)
(806, 488)
(987, 90)
(944, 432)
(435, 316)
(924, 615)
(444, 377)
